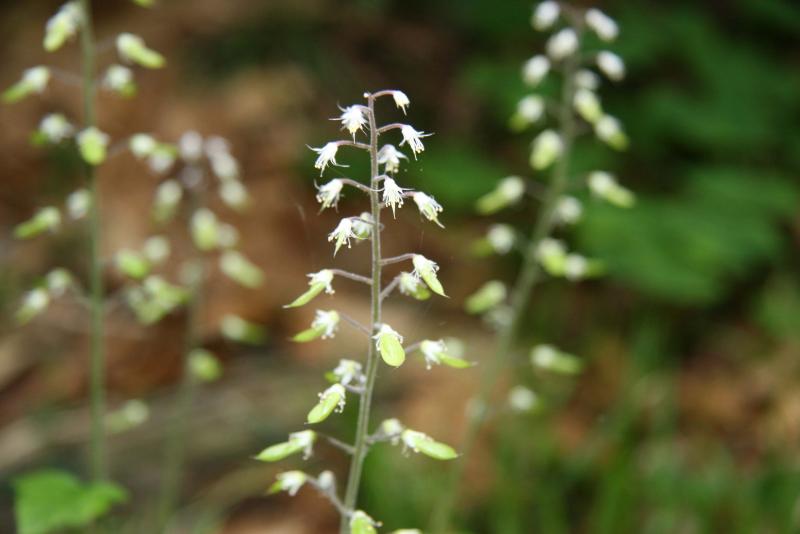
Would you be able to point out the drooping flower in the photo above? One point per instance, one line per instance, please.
(328, 194)
(62, 26)
(547, 148)
(586, 79)
(426, 270)
(611, 65)
(501, 238)
(562, 44)
(428, 207)
(349, 372)
(401, 100)
(413, 138)
(568, 210)
(342, 234)
(535, 69)
(604, 26)
(119, 79)
(392, 194)
(327, 156)
(55, 127)
(389, 157)
(353, 119)
(327, 321)
(545, 15)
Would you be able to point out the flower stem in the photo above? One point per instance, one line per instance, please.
(520, 297)
(97, 365)
(362, 428)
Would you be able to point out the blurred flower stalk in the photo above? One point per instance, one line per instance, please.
(576, 111)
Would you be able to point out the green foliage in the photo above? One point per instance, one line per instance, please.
(52, 500)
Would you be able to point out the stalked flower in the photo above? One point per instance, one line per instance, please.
(361, 523)
(426, 269)
(391, 429)
(119, 79)
(422, 443)
(326, 156)
(241, 270)
(34, 81)
(34, 303)
(363, 225)
(436, 353)
(390, 157)
(552, 254)
(353, 119)
(489, 296)
(62, 26)
(529, 110)
(603, 25)
(413, 287)
(328, 194)
(603, 185)
(413, 138)
(298, 442)
(44, 220)
(290, 482)
(611, 65)
(401, 100)
(331, 400)
(392, 194)
(568, 210)
(551, 359)
(508, 191)
(92, 144)
(545, 15)
(342, 234)
(547, 148)
(535, 69)
(320, 281)
(587, 105)
(390, 345)
(609, 130)
(349, 372)
(428, 207)
(142, 145)
(324, 326)
(55, 128)
(562, 44)
(132, 48)
(168, 196)
(501, 238)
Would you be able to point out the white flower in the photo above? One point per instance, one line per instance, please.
(233, 194)
(522, 399)
(292, 481)
(327, 156)
(328, 321)
(611, 65)
(389, 156)
(431, 350)
(575, 267)
(587, 105)
(349, 372)
(423, 265)
(142, 145)
(362, 226)
(392, 428)
(586, 79)
(36, 78)
(386, 330)
(413, 138)
(545, 15)
(531, 108)
(501, 238)
(603, 25)
(78, 203)
(511, 188)
(326, 481)
(224, 165)
(353, 119)
(392, 194)
(118, 78)
(562, 44)
(601, 183)
(409, 284)
(608, 129)
(549, 247)
(401, 100)
(55, 127)
(342, 234)
(428, 207)
(216, 145)
(190, 146)
(325, 277)
(568, 210)
(304, 439)
(547, 148)
(328, 194)
(535, 69)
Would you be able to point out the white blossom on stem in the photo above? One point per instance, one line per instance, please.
(389, 157)
(326, 156)
(392, 194)
(428, 207)
(401, 100)
(328, 194)
(353, 119)
(562, 44)
(413, 138)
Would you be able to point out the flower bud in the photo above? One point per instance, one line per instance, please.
(547, 148)
(603, 185)
(413, 287)
(58, 281)
(568, 210)
(436, 353)
(389, 345)
(132, 264)
(428, 207)
(168, 196)
(522, 399)
(535, 69)
(363, 225)
(562, 44)
(240, 269)
(330, 400)
(289, 481)
(529, 110)
(55, 127)
(78, 203)
(545, 15)
(551, 359)
(361, 523)
(132, 48)
(33, 81)
(46, 219)
(586, 79)
(604, 26)
(162, 158)
(490, 295)
(349, 372)
(34, 303)
(324, 326)
(508, 191)
(501, 238)
(92, 144)
(156, 249)
(609, 130)
(119, 79)
(552, 254)
(587, 105)
(62, 26)
(205, 229)
(611, 65)
(298, 442)
(422, 443)
(320, 281)
(190, 146)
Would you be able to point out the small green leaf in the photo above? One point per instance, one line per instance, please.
(51, 500)
(306, 297)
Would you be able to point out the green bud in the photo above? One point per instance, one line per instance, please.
(330, 400)
(92, 144)
(204, 366)
(552, 254)
(422, 443)
(132, 48)
(490, 295)
(547, 148)
(588, 105)
(298, 442)
(609, 130)
(62, 26)
(551, 359)
(46, 219)
(33, 81)
(324, 326)
(240, 269)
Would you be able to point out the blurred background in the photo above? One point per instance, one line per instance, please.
(687, 417)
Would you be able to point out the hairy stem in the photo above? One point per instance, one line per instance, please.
(97, 365)
(520, 297)
(362, 429)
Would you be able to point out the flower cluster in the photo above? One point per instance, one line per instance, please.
(384, 344)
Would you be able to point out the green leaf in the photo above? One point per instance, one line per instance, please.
(52, 500)
(306, 297)
(391, 350)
